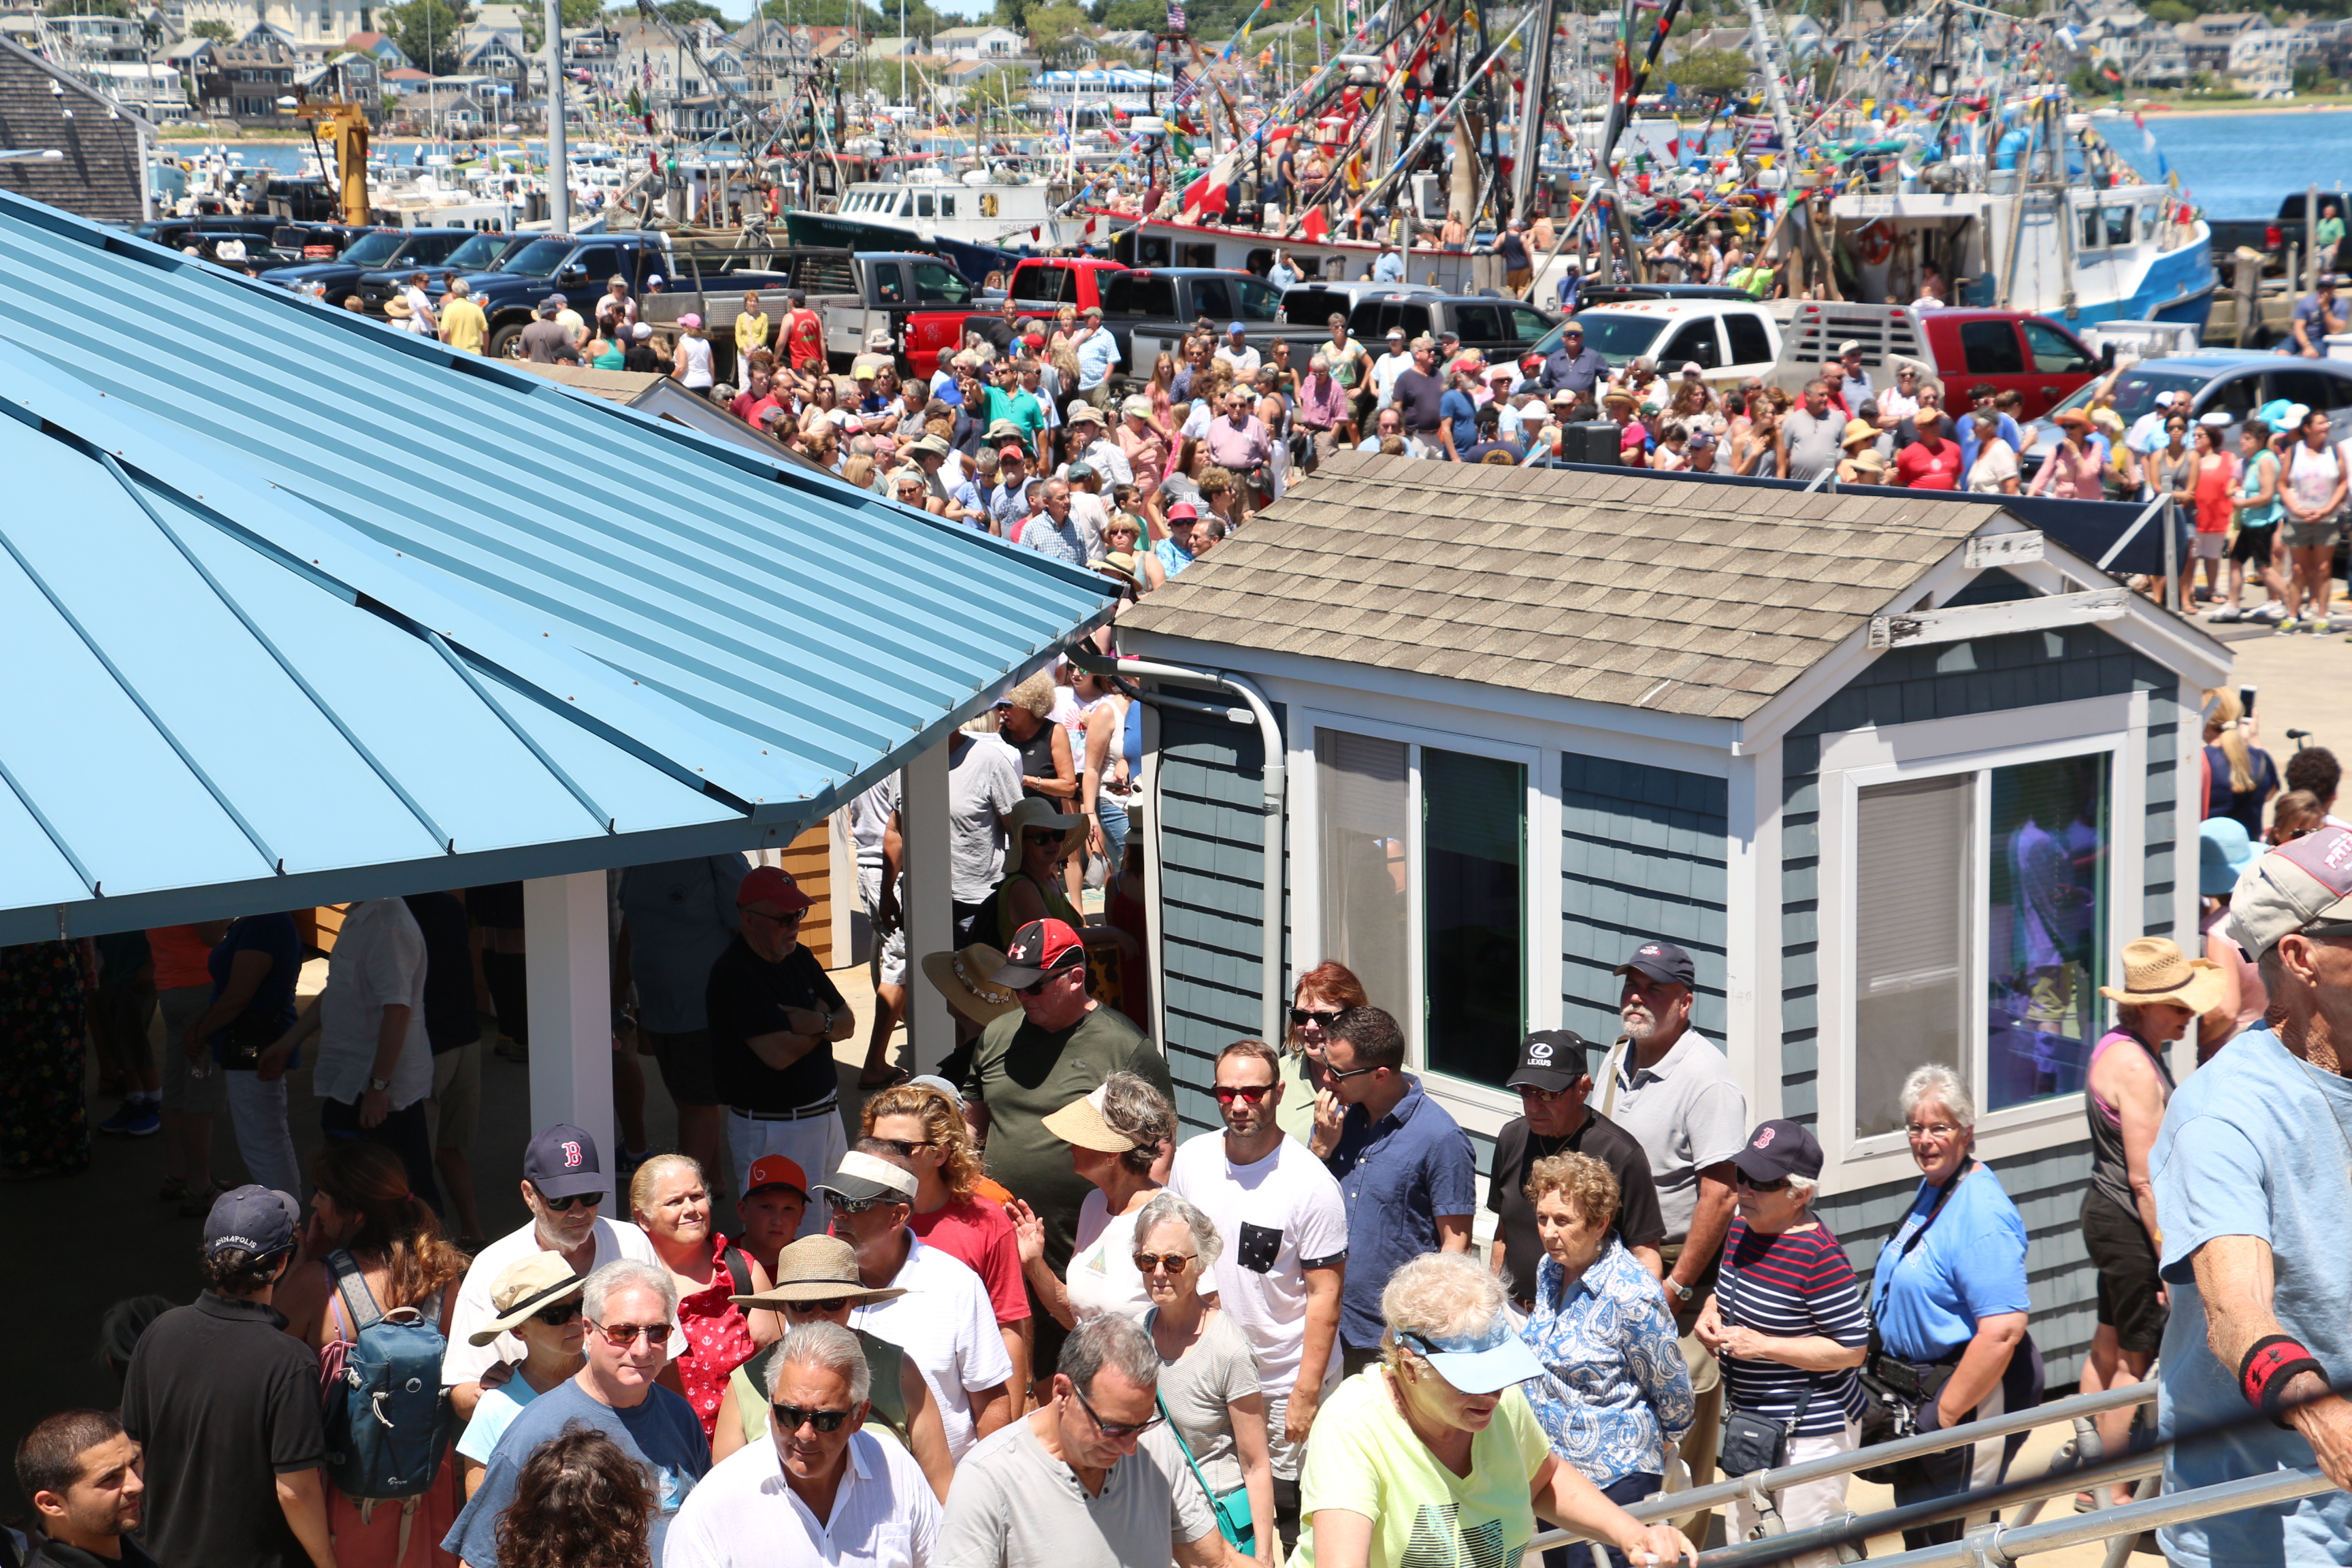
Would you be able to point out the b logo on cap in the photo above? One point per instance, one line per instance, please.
(570, 1156)
(1651, 951)
(1762, 1138)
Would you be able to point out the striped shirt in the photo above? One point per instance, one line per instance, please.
(1791, 1285)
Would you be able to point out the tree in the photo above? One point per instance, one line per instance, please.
(426, 32)
(576, 13)
(825, 14)
(2171, 13)
(216, 31)
(1132, 15)
(89, 8)
(685, 13)
(1710, 70)
(1053, 24)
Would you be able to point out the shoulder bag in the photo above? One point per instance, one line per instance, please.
(1896, 1388)
(1233, 1508)
(1753, 1442)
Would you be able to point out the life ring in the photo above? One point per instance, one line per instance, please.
(1872, 243)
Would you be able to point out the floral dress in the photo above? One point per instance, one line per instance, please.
(718, 1338)
(43, 1113)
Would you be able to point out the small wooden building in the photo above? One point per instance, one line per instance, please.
(1899, 772)
(102, 172)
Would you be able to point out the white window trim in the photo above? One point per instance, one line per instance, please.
(1478, 1107)
(1860, 759)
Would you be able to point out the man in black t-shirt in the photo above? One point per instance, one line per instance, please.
(1420, 393)
(452, 1026)
(226, 1403)
(1553, 1080)
(774, 1014)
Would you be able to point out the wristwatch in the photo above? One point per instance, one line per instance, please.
(379, 1085)
(1679, 1292)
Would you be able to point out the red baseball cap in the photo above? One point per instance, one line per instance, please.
(1037, 949)
(776, 1171)
(1009, 451)
(771, 885)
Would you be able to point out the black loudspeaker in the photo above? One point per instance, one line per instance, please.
(1596, 442)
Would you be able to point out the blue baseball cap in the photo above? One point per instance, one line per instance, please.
(1663, 961)
(252, 1218)
(1485, 1361)
(2223, 853)
(1237, 328)
(562, 1163)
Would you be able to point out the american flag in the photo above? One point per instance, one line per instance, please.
(1175, 15)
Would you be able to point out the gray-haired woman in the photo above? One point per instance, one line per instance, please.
(1208, 1384)
(1948, 1299)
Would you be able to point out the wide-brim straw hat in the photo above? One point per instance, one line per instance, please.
(818, 1269)
(967, 978)
(526, 1286)
(2156, 970)
(1037, 811)
(1081, 1122)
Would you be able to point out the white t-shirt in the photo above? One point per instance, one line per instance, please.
(1102, 1265)
(379, 962)
(1245, 363)
(947, 1328)
(463, 1363)
(1276, 1215)
(742, 1515)
(420, 306)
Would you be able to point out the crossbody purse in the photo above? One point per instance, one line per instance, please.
(1753, 1441)
(1233, 1509)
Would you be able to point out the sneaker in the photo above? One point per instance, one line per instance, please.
(2319, 626)
(629, 1160)
(2286, 627)
(511, 1050)
(137, 1116)
(2225, 614)
(2269, 615)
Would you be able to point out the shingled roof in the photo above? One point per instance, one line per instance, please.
(1677, 596)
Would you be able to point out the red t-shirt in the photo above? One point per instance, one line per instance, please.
(804, 339)
(1924, 470)
(980, 1235)
(180, 957)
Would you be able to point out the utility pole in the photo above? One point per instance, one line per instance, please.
(1531, 110)
(559, 165)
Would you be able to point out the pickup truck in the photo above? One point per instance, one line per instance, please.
(919, 300)
(483, 253)
(2271, 235)
(1148, 309)
(378, 250)
(1728, 339)
(576, 266)
(2031, 356)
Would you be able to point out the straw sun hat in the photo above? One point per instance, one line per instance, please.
(2155, 970)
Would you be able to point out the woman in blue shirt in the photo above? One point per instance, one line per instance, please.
(1616, 1398)
(1459, 408)
(1949, 1299)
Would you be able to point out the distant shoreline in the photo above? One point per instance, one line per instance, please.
(2251, 106)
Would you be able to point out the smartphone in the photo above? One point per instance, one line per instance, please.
(2246, 699)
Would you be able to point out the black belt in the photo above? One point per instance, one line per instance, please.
(827, 1105)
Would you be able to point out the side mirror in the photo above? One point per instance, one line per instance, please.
(2106, 356)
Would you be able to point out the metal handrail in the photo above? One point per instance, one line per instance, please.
(2002, 1544)
(1675, 1505)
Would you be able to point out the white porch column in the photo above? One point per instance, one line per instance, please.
(929, 903)
(569, 970)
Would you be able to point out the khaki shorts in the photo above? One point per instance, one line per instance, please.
(182, 1090)
(2207, 546)
(2319, 535)
(457, 1097)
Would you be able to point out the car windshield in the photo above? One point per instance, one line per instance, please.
(1616, 337)
(374, 249)
(2136, 390)
(476, 253)
(540, 258)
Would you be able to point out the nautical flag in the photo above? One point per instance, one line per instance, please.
(1315, 226)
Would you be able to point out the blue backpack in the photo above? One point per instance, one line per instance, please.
(387, 1416)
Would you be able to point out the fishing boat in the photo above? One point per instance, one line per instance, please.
(983, 207)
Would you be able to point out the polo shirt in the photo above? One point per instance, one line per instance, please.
(1396, 1176)
(1420, 400)
(1638, 1221)
(378, 962)
(746, 1515)
(1097, 356)
(1687, 1113)
(682, 915)
(1013, 1502)
(224, 1401)
(746, 996)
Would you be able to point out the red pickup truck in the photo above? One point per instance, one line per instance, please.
(2005, 350)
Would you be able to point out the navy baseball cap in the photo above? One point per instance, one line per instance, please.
(1778, 1149)
(252, 1218)
(1552, 1060)
(1662, 960)
(562, 1164)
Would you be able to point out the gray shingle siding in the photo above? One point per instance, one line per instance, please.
(1642, 856)
(1904, 685)
(1212, 859)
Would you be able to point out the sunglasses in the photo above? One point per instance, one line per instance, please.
(563, 1206)
(831, 1304)
(1534, 1096)
(1753, 1185)
(907, 1146)
(1163, 1263)
(1040, 836)
(792, 919)
(856, 1205)
(626, 1334)
(1302, 1016)
(1253, 1093)
(792, 1417)
(556, 1317)
(1113, 1428)
(1348, 1072)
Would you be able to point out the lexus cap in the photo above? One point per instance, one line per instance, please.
(1552, 1059)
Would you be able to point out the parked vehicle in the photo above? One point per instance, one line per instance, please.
(378, 250)
(1728, 339)
(482, 253)
(576, 266)
(2272, 235)
(1312, 305)
(1960, 347)
(1497, 327)
(2235, 381)
(919, 298)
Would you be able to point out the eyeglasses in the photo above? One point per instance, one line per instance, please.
(1937, 1130)
(1253, 1093)
(556, 1317)
(1534, 1096)
(831, 1304)
(792, 919)
(793, 1416)
(907, 1146)
(626, 1334)
(1302, 1016)
(1350, 1072)
(1113, 1428)
(856, 1205)
(1753, 1185)
(562, 1205)
(1163, 1263)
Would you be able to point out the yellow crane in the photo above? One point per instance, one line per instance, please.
(347, 130)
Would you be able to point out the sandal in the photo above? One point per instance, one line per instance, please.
(891, 1078)
(198, 1204)
(173, 1189)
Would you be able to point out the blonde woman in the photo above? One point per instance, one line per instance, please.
(670, 1201)
(691, 361)
(2238, 778)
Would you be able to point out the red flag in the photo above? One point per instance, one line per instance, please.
(1316, 226)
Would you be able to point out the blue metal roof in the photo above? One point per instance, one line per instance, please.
(297, 608)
